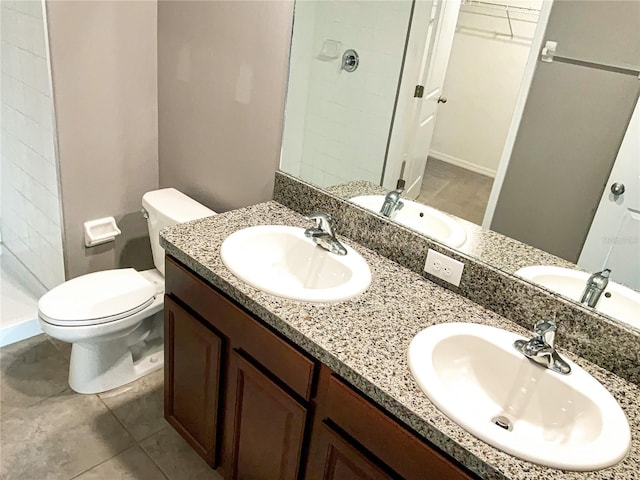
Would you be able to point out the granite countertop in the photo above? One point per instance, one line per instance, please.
(483, 244)
(365, 339)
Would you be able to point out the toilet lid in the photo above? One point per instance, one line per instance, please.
(97, 297)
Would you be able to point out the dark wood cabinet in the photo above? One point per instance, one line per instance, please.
(193, 356)
(334, 458)
(375, 434)
(256, 406)
(264, 428)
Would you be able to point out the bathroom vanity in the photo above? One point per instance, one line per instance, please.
(253, 403)
(265, 387)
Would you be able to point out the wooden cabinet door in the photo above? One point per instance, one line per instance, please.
(264, 426)
(193, 356)
(333, 458)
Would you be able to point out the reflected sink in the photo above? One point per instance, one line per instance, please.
(423, 219)
(280, 260)
(617, 301)
(473, 374)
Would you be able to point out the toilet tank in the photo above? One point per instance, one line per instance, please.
(166, 207)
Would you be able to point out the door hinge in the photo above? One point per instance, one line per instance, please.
(419, 91)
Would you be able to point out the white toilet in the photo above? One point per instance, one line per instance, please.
(113, 319)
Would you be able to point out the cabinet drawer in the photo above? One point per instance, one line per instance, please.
(384, 437)
(284, 361)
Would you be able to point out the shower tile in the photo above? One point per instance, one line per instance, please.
(139, 405)
(59, 438)
(132, 464)
(30, 371)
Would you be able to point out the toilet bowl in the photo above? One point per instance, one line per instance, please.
(113, 318)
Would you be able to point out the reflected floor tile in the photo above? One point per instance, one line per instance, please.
(139, 405)
(132, 464)
(176, 458)
(30, 371)
(59, 437)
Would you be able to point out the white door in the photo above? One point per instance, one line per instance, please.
(613, 240)
(432, 30)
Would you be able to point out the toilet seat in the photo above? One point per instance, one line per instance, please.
(96, 298)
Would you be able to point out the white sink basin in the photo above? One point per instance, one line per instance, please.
(473, 374)
(423, 219)
(280, 260)
(617, 301)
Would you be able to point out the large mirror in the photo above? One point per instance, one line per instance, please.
(513, 116)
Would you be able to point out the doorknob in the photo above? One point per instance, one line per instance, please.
(442, 100)
(617, 188)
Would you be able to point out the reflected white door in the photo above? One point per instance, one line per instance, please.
(442, 18)
(613, 240)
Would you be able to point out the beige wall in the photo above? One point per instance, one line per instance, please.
(222, 70)
(104, 68)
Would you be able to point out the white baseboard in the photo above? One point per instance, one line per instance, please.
(444, 157)
(19, 331)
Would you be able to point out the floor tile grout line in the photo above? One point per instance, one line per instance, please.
(166, 475)
(103, 461)
(136, 441)
(154, 463)
(120, 422)
(152, 434)
(125, 427)
(37, 402)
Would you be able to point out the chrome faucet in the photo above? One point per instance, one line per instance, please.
(595, 287)
(392, 203)
(323, 233)
(540, 348)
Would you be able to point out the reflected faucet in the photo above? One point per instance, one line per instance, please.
(323, 233)
(595, 287)
(540, 348)
(392, 203)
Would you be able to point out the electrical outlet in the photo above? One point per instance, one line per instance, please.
(444, 267)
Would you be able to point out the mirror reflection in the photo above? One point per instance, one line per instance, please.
(511, 115)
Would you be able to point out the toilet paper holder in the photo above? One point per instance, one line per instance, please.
(102, 230)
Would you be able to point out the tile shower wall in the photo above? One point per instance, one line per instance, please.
(336, 103)
(31, 220)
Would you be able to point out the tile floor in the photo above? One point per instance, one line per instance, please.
(455, 190)
(49, 432)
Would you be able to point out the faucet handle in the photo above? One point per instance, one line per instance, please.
(323, 221)
(395, 193)
(546, 330)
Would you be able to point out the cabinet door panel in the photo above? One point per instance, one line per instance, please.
(192, 376)
(274, 353)
(333, 458)
(264, 426)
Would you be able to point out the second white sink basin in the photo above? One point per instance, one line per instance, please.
(423, 219)
(473, 374)
(280, 260)
(617, 301)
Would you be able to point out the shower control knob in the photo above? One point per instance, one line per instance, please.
(617, 188)
(442, 100)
